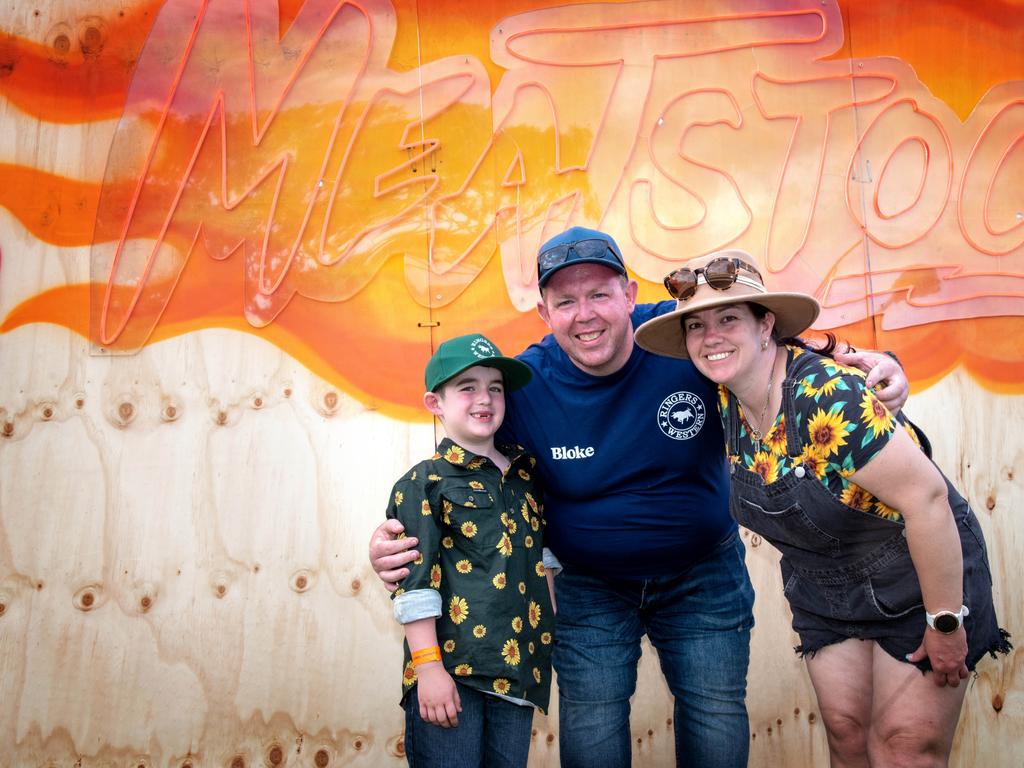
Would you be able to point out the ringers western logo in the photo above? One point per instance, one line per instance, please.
(681, 415)
(482, 348)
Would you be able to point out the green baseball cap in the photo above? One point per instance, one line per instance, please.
(456, 355)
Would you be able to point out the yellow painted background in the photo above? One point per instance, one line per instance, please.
(231, 233)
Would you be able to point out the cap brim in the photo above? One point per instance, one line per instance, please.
(614, 266)
(794, 314)
(514, 373)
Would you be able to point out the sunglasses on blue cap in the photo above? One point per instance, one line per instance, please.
(591, 250)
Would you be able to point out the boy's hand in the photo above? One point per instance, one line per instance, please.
(884, 376)
(438, 695)
(388, 553)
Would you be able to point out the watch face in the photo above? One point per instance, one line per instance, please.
(947, 623)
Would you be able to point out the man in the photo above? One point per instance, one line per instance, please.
(629, 449)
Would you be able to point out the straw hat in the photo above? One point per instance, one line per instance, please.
(794, 312)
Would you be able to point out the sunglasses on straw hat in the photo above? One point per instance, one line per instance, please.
(720, 273)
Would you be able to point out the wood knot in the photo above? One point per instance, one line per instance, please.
(812, 718)
(257, 402)
(997, 703)
(3, 608)
(187, 764)
(47, 412)
(356, 585)
(8, 429)
(330, 402)
(287, 392)
(275, 755)
(990, 503)
(91, 40)
(79, 402)
(755, 540)
(302, 580)
(145, 603)
(238, 762)
(357, 745)
(171, 412)
(321, 759)
(550, 738)
(220, 590)
(125, 412)
(222, 418)
(62, 44)
(86, 598)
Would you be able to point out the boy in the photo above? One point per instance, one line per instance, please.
(477, 604)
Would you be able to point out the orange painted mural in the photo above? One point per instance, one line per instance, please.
(356, 181)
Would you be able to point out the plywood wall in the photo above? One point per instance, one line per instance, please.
(182, 549)
(183, 574)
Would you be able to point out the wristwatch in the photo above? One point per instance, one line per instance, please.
(946, 622)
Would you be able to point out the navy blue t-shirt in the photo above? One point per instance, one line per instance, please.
(632, 464)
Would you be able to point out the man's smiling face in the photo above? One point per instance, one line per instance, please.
(588, 308)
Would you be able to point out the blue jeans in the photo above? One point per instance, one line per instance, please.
(492, 733)
(699, 621)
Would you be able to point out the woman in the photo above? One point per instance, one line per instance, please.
(883, 562)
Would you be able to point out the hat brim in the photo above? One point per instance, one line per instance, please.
(515, 374)
(663, 335)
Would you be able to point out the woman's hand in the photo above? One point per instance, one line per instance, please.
(947, 654)
(438, 695)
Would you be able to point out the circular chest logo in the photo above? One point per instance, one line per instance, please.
(681, 415)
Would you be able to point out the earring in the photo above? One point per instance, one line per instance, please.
(764, 344)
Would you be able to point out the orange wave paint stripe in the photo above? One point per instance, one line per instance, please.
(56, 209)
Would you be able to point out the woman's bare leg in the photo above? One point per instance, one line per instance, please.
(913, 721)
(842, 679)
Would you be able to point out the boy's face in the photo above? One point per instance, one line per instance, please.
(471, 405)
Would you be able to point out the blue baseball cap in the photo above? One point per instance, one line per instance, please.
(578, 245)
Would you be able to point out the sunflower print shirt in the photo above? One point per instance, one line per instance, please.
(480, 572)
(842, 424)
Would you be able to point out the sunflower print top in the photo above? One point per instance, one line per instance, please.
(480, 571)
(842, 424)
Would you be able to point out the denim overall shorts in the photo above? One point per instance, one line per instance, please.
(848, 574)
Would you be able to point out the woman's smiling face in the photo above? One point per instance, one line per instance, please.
(725, 343)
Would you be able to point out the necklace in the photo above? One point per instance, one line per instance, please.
(756, 433)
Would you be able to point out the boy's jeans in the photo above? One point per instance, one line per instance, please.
(699, 622)
(492, 733)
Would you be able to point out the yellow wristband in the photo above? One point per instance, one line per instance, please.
(425, 655)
